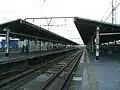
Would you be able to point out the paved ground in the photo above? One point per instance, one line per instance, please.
(107, 72)
(107, 76)
(103, 75)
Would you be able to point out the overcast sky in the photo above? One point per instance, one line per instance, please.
(91, 9)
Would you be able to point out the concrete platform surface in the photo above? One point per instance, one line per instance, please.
(13, 57)
(103, 75)
(107, 72)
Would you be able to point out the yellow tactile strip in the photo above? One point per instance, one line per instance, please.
(91, 76)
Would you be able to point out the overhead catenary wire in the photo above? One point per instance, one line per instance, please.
(106, 11)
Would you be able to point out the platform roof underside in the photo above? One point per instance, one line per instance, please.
(87, 30)
(23, 29)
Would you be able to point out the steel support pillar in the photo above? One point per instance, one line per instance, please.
(28, 45)
(97, 43)
(40, 45)
(92, 45)
(7, 42)
(115, 45)
(36, 44)
(89, 48)
(108, 46)
(47, 45)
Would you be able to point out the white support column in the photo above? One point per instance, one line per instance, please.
(7, 42)
(97, 43)
(41, 45)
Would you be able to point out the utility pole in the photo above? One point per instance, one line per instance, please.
(113, 12)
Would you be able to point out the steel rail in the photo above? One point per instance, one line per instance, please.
(55, 75)
(72, 69)
(29, 71)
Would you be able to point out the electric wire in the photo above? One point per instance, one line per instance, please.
(106, 11)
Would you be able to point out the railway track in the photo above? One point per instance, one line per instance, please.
(59, 79)
(18, 79)
(55, 78)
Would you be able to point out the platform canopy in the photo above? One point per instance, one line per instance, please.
(87, 29)
(23, 29)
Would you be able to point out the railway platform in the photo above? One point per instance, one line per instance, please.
(102, 75)
(15, 56)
